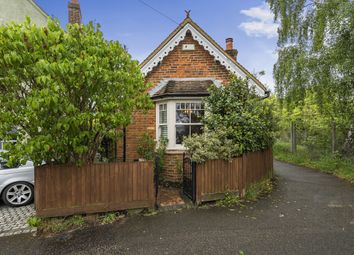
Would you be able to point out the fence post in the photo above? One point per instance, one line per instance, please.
(244, 175)
(293, 137)
(333, 137)
(194, 181)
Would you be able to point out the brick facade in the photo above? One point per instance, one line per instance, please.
(197, 63)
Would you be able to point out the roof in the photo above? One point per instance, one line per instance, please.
(183, 88)
(207, 42)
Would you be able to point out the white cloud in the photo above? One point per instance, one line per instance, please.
(260, 12)
(261, 22)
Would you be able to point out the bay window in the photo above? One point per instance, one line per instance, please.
(177, 119)
(188, 120)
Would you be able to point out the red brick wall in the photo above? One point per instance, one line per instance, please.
(178, 64)
(188, 64)
(173, 167)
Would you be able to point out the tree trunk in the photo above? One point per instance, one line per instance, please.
(293, 137)
(334, 136)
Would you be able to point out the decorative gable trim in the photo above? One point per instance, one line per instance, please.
(209, 46)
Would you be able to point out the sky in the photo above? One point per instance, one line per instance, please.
(139, 27)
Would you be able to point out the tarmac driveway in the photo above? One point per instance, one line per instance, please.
(308, 213)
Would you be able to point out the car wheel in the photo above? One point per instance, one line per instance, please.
(18, 194)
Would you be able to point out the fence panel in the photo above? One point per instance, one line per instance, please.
(66, 190)
(215, 177)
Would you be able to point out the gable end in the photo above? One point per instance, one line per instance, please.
(208, 44)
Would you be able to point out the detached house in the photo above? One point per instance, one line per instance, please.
(181, 69)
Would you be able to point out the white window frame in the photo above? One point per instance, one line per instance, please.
(171, 120)
(159, 124)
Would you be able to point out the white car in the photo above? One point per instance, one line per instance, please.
(17, 184)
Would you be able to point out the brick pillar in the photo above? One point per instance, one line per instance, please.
(74, 12)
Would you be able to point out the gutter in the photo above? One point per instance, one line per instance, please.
(267, 94)
(200, 94)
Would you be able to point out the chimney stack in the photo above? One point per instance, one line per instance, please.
(74, 12)
(230, 48)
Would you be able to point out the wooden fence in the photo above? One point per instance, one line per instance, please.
(67, 190)
(215, 177)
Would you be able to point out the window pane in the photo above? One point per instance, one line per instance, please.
(163, 117)
(198, 129)
(181, 131)
(197, 116)
(163, 113)
(182, 116)
(163, 131)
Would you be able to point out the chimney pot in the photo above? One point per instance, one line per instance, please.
(229, 44)
(230, 48)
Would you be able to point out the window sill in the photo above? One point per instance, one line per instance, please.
(175, 150)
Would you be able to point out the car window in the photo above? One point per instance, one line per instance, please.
(3, 165)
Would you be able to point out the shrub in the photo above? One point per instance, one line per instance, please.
(146, 147)
(63, 90)
(160, 156)
(237, 121)
(211, 145)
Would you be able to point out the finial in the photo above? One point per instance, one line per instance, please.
(188, 13)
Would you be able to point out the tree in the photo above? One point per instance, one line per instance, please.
(236, 121)
(62, 92)
(316, 52)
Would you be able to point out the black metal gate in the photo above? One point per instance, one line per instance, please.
(189, 177)
(157, 172)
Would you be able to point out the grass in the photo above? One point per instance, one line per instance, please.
(258, 189)
(34, 221)
(328, 163)
(62, 224)
(230, 200)
(253, 193)
(56, 225)
(108, 218)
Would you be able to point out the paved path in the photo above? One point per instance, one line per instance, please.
(13, 221)
(309, 213)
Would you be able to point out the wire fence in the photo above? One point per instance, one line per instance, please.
(333, 138)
